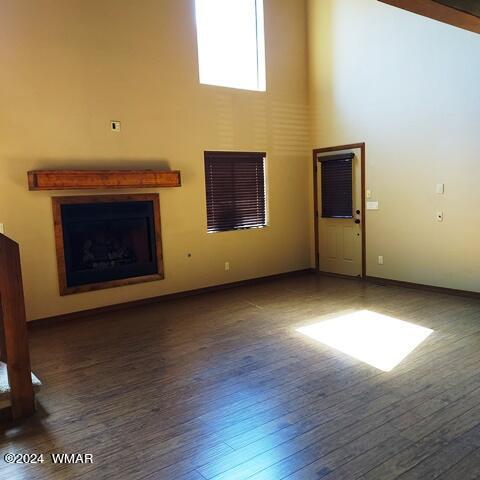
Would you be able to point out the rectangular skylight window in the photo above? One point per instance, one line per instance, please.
(231, 43)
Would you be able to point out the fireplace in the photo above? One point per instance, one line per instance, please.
(106, 241)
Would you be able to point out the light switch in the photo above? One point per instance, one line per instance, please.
(369, 194)
(372, 205)
(440, 188)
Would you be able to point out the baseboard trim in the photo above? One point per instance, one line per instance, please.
(42, 322)
(421, 286)
(338, 275)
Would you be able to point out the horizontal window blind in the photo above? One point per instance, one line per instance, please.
(235, 187)
(337, 183)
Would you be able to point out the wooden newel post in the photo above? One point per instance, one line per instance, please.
(14, 341)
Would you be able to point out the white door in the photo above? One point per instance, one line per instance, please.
(339, 220)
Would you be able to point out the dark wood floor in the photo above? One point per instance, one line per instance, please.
(222, 387)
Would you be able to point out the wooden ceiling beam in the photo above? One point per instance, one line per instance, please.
(441, 12)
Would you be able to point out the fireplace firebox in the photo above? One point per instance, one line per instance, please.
(106, 241)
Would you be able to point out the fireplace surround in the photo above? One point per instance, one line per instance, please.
(105, 241)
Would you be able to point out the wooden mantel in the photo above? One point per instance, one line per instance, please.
(101, 179)
(459, 13)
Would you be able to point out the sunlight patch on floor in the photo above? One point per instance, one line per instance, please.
(371, 337)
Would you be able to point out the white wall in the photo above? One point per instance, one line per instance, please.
(410, 88)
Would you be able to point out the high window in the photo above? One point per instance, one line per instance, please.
(231, 43)
(235, 186)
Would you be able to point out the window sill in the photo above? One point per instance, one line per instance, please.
(241, 229)
(231, 87)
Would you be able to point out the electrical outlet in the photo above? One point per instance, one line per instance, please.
(439, 216)
(116, 126)
(227, 266)
(440, 188)
(380, 259)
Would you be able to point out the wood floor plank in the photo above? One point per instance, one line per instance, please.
(426, 446)
(222, 386)
(434, 466)
(466, 469)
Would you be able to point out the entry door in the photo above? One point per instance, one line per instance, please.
(339, 214)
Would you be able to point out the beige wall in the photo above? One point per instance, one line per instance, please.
(406, 85)
(68, 67)
(409, 87)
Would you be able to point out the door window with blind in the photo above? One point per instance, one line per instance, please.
(235, 187)
(337, 185)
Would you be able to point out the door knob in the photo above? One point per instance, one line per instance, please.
(357, 221)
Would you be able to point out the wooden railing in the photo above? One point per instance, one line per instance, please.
(14, 349)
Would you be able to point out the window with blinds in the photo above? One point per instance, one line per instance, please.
(235, 187)
(337, 184)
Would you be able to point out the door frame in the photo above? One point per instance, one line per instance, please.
(358, 146)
